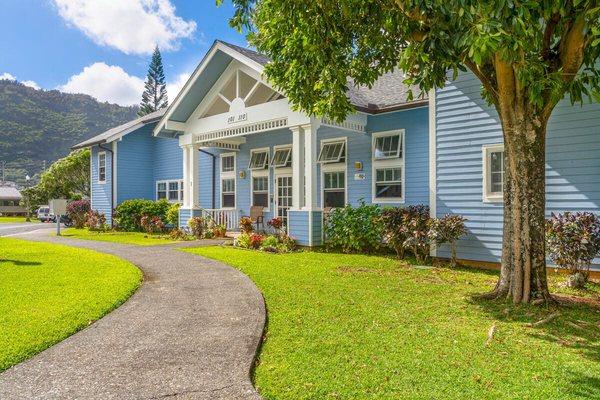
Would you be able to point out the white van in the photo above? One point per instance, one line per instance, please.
(43, 214)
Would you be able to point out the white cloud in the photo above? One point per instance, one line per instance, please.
(132, 26)
(31, 84)
(8, 77)
(174, 87)
(106, 83)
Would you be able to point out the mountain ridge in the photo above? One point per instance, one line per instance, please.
(40, 126)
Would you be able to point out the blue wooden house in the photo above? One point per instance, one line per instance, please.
(230, 142)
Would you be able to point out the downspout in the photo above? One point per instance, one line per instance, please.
(112, 179)
(214, 175)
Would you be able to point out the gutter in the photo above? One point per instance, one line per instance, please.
(214, 175)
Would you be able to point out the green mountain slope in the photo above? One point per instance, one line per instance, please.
(39, 125)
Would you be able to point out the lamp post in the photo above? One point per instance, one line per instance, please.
(27, 202)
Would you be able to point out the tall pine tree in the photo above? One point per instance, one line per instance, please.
(155, 89)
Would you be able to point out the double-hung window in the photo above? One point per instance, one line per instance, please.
(170, 190)
(388, 166)
(259, 159)
(102, 167)
(334, 189)
(332, 158)
(493, 173)
(260, 191)
(282, 157)
(228, 180)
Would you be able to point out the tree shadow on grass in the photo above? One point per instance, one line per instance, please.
(573, 326)
(586, 385)
(20, 263)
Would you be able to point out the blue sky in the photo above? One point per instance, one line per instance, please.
(102, 47)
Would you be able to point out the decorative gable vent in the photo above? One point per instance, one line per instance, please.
(243, 130)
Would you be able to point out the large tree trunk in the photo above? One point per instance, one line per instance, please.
(523, 273)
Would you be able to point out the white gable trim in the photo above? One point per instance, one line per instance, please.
(217, 46)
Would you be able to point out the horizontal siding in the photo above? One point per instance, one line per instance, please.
(317, 228)
(298, 226)
(135, 163)
(464, 123)
(101, 192)
(167, 159)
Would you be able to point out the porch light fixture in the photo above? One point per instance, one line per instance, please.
(242, 174)
(358, 165)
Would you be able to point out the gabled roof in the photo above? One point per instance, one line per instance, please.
(121, 130)
(389, 91)
(9, 193)
(387, 94)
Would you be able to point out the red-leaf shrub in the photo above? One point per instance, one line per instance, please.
(416, 223)
(448, 229)
(256, 240)
(95, 221)
(275, 223)
(152, 224)
(197, 225)
(573, 241)
(246, 225)
(78, 211)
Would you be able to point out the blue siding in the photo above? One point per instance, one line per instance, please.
(465, 123)
(317, 228)
(167, 159)
(185, 214)
(135, 160)
(298, 226)
(101, 192)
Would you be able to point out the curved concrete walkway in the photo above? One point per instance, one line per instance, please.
(190, 332)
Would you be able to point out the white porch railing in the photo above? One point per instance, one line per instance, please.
(228, 217)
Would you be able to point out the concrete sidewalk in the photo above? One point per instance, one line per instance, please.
(190, 332)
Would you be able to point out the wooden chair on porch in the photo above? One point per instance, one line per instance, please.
(257, 216)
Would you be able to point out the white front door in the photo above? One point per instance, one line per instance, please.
(283, 196)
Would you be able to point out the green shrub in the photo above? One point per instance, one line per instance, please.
(287, 243)
(355, 229)
(172, 216)
(270, 241)
(128, 214)
(243, 241)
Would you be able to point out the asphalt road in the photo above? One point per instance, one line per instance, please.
(24, 227)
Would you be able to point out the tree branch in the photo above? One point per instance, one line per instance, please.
(548, 32)
(485, 80)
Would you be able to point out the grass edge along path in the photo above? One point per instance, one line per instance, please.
(49, 292)
(360, 327)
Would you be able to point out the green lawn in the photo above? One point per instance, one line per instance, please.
(48, 292)
(12, 220)
(137, 238)
(366, 327)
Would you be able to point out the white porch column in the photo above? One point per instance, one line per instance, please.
(186, 178)
(194, 186)
(297, 167)
(310, 166)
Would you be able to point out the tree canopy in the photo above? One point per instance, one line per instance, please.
(67, 178)
(549, 46)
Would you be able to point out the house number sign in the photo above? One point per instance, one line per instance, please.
(232, 119)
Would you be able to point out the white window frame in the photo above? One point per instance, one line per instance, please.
(341, 166)
(280, 148)
(267, 159)
(167, 182)
(103, 154)
(261, 173)
(228, 175)
(400, 148)
(386, 163)
(224, 155)
(344, 151)
(488, 196)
